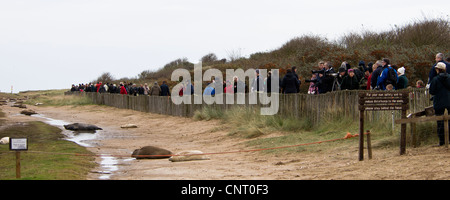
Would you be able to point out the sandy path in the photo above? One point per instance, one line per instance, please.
(178, 134)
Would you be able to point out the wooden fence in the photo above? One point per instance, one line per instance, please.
(331, 105)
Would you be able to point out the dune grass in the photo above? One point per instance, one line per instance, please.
(259, 130)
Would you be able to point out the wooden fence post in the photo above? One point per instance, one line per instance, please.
(18, 164)
(369, 144)
(403, 135)
(361, 134)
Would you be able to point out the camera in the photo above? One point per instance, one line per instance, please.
(322, 71)
(312, 80)
(328, 82)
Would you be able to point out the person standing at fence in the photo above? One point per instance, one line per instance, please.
(123, 90)
(350, 82)
(402, 80)
(377, 69)
(365, 81)
(439, 58)
(146, 89)
(165, 91)
(312, 86)
(155, 90)
(97, 86)
(440, 88)
(388, 75)
(239, 84)
(209, 90)
(289, 84)
(256, 87)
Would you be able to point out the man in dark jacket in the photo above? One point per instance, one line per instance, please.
(376, 73)
(440, 88)
(290, 83)
(165, 91)
(325, 83)
(432, 74)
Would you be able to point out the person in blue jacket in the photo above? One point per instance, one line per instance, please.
(384, 78)
(209, 90)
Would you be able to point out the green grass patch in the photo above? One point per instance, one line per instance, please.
(44, 166)
(56, 98)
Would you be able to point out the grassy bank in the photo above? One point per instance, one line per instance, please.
(44, 166)
(55, 98)
(275, 131)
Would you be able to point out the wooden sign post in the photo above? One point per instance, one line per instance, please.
(382, 101)
(18, 145)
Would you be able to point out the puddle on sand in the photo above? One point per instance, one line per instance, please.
(108, 163)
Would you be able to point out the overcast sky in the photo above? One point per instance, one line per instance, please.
(50, 44)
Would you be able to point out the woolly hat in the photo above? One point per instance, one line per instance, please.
(361, 63)
(401, 71)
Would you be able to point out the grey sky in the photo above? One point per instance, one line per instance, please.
(50, 44)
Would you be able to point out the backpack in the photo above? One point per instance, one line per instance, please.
(392, 77)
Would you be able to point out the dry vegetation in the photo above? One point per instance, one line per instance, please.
(413, 46)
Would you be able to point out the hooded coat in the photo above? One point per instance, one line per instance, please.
(290, 83)
(350, 83)
(155, 90)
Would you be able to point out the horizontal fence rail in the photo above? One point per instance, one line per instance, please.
(332, 105)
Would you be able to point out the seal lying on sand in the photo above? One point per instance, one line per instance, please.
(151, 152)
(28, 112)
(81, 127)
(189, 155)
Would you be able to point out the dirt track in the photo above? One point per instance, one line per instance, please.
(179, 134)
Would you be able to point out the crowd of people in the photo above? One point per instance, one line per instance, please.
(124, 88)
(381, 75)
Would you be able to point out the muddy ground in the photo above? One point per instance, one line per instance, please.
(179, 134)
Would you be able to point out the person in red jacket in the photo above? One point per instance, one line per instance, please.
(98, 85)
(123, 90)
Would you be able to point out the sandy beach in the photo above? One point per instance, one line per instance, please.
(179, 134)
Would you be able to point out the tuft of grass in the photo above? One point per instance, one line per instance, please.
(208, 113)
(44, 166)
